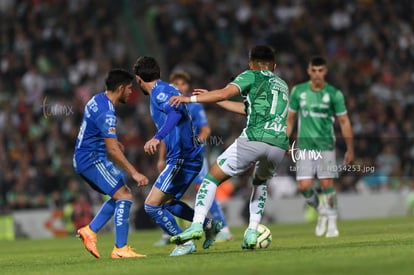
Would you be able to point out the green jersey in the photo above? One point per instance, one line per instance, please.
(266, 101)
(316, 112)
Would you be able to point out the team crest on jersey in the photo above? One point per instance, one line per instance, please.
(110, 120)
(302, 96)
(111, 130)
(326, 98)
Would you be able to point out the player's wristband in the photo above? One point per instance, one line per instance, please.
(193, 98)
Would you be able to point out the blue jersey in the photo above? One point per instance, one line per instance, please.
(99, 122)
(180, 142)
(198, 115)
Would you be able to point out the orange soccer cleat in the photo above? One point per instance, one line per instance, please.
(89, 240)
(125, 252)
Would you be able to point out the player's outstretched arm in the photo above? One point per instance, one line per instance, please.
(115, 153)
(203, 97)
(232, 106)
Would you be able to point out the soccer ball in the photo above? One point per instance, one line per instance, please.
(264, 236)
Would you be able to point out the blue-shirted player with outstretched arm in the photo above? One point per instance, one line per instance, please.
(184, 156)
(182, 81)
(98, 154)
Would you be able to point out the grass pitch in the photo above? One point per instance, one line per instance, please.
(380, 246)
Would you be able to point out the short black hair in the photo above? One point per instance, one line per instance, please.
(147, 68)
(117, 77)
(317, 60)
(262, 53)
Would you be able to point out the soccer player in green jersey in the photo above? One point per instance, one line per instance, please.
(316, 102)
(262, 143)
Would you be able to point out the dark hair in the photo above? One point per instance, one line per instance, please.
(117, 77)
(317, 61)
(147, 68)
(180, 75)
(262, 53)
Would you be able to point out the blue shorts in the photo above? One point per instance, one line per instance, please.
(177, 176)
(104, 177)
(204, 170)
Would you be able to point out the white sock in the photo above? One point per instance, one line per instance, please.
(204, 200)
(257, 204)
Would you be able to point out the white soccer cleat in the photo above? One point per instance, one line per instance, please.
(332, 233)
(332, 228)
(321, 225)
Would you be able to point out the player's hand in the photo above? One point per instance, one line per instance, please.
(177, 100)
(160, 165)
(349, 157)
(140, 179)
(121, 147)
(199, 91)
(151, 146)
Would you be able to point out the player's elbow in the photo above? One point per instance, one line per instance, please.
(112, 152)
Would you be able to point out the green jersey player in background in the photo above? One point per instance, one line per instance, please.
(262, 143)
(316, 103)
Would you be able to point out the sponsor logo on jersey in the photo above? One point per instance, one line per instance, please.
(277, 127)
(162, 96)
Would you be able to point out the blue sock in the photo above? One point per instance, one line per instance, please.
(163, 218)
(121, 221)
(105, 213)
(217, 213)
(180, 209)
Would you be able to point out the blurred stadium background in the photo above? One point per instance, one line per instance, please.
(54, 55)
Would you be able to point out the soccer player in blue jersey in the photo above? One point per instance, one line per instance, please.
(98, 154)
(184, 157)
(182, 81)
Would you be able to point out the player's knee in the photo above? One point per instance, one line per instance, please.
(150, 200)
(304, 185)
(124, 193)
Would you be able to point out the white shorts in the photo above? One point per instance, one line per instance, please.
(322, 165)
(243, 153)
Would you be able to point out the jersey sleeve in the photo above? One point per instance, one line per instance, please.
(244, 81)
(198, 115)
(339, 103)
(106, 122)
(294, 100)
(162, 100)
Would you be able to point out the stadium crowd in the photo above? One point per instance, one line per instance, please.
(54, 55)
